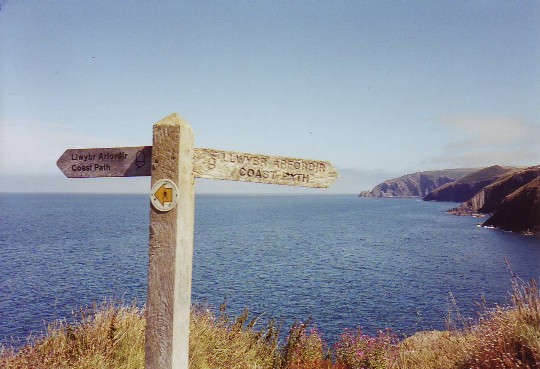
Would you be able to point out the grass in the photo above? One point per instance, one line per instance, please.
(505, 337)
(105, 336)
(112, 336)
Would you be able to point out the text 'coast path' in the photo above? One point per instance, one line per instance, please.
(173, 163)
(207, 163)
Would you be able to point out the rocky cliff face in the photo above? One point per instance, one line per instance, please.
(520, 211)
(488, 199)
(416, 184)
(466, 187)
(511, 194)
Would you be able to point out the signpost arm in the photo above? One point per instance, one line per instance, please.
(173, 166)
(171, 249)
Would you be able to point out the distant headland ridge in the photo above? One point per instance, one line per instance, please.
(511, 195)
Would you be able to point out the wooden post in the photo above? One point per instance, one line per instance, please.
(171, 247)
(174, 165)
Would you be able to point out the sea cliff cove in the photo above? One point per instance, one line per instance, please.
(403, 254)
(510, 196)
(270, 185)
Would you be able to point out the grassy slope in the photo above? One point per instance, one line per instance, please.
(490, 197)
(110, 336)
(520, 211)
(398, 186)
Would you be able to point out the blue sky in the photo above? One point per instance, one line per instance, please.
(379, 88)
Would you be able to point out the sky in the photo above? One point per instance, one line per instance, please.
(378, 88)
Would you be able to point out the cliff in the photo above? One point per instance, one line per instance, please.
(520, 211)
(416, 184)
(466, 187)
(488, 199)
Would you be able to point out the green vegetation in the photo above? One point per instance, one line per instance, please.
(488, 173)
(112, 336)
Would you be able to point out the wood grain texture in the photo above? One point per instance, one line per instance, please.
(207, 163)
(173, 157)
(106, 162)
(171, 249)
(260, 168)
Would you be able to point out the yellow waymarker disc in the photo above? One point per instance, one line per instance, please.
(164, 195)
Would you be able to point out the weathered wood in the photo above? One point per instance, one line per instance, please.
(207, 163)
(173, 164)
(106, 162)
(171, 250)
(280, 170)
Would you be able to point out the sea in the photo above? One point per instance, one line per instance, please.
(341, 261)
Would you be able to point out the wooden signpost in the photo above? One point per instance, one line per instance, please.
(173, 164)
(207, 163)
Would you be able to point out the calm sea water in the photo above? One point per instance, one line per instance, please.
(342, 260)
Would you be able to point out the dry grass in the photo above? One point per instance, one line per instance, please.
(105, 336)
(432, 350)
(221, 342)
(112, 336)
(503, 338)
(508, 338)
